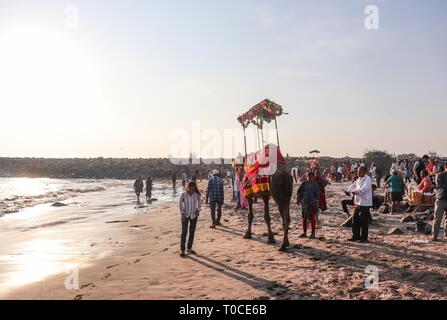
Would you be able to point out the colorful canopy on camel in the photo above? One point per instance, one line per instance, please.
(266, 111)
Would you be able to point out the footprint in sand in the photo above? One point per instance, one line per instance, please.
(78, 297)
(87, 285)
(106, 276)
(137, 260)
(113, 266)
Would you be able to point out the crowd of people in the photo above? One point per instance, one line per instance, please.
(364, 183)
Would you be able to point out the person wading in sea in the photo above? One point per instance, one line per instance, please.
(184, 179)
(138, 187)
(149, 189)
(174, 181)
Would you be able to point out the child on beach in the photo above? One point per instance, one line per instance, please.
(189, 205)
(309, 198)
(398, 188)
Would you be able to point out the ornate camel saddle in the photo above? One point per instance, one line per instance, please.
(259, 168)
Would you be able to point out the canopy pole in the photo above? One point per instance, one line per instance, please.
(245, 143)
(262, 137)
(277, 134)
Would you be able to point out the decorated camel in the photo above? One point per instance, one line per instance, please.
(266, 172)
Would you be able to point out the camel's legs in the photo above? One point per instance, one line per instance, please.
(271, 237)
(250, 218)
(285, 215)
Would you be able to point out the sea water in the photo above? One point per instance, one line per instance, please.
(39, 239)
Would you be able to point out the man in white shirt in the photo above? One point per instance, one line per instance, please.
(363, 200)
(184, 179)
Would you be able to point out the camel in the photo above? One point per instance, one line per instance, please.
(281, 188)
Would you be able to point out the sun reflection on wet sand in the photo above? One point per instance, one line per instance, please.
(38, 259)
(28, 214)
(42, 242)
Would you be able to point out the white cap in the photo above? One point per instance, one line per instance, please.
(215, 172)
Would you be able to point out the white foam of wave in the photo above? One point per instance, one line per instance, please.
(17, 203)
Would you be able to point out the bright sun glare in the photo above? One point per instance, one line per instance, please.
(44, 74)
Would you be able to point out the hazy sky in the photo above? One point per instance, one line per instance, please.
(132, 72)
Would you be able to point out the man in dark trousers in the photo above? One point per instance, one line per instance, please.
(363, 201)
(174, 180)
(441, 204)
(215, 197)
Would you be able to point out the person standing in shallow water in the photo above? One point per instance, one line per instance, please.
(189, 206)
(184, 179)
(148, 189)
(138, 186)
(174, 181)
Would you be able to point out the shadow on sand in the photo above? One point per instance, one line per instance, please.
(272, 289)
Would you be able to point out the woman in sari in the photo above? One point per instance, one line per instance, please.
(241, 175)
(322, 182)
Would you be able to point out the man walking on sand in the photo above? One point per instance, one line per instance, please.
(362, 191)
(440, 205)
(215, 197)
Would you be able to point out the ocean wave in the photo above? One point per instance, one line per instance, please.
(17, 203)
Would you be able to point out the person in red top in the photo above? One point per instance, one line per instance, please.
(432, 164)
(426, 185)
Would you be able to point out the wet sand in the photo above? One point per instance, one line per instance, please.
(143, 261)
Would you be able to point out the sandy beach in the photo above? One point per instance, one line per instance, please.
(142, 260)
